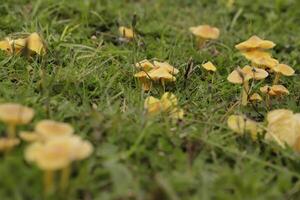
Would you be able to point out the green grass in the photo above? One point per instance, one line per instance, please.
(136, 158)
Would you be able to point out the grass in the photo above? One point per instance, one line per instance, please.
(89, 83)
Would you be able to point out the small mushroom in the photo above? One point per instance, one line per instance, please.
(209, 66)
(35, 44)
(260, 59)
(161, 75)
(275, 90)
(255, 43)
(152, 106)
(5, 46)
(241, 125)
(204, 33)
(13, 114)
(57, 154)
(242, 76)
(127, 33)
(284, 70)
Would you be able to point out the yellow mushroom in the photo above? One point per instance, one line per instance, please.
(161, 75)
(13, 114)
(49, 129)
(204, 33)
(6, 144)
(242, 76)
(209, 66)
(125, 32)
(57, 154)
(152, 106)
(275, 90)
(282, 69)
(255, 43)
(241, 125)
(283, 127)
(36, 44)
(5, 46)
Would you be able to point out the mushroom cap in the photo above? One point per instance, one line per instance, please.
(265, 62)
(177, 113)
(241, 124)
(238, 76)
(205, 32)
(161, 74)
(255, 97)
(275, 90)
(7, 144)
(172, 70)
(36, 44)
(29, 136)
(209, 66)
(256, 55)
(12, 113)
(283, 127)
(255, 42)
(141, 74)
(144, 65)
(126, 32)
(284, 70)
(50, 129)
(255, 73)
(18, 45)
(58, 153)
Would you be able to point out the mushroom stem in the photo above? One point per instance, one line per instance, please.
(48, 181)
(268, 102)
(65, 176)
(245, 91)
(276, 79)
(11, 130)
(200, 42)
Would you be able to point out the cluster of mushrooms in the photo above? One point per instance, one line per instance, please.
(53, 146)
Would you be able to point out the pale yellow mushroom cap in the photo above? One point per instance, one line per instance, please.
(7, 144)
(141, 74)
(49, 129)
(177, 113)
(12, 113)
(255, 42)
(241, 125)
(30, 136)
(255, 97)
(205, 32)
(36, 44)
(238, 76)
(161, 74)
(256, 55)
(126, 32)
(145, 65)
(18, 44)
(275, 90)
(284, 70)
(58, 153)
(172, 70)
(283, 127)
(209, 66)
(255, 73)
(265, 62)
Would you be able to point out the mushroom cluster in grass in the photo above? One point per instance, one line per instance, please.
(242, 76)
(242, 125)
(156, 72)
(204, 33)
(283, 128)
(126, 32)
(58, 154)
(46, 130)
(168, 105)
(33, 44)
(13, 115)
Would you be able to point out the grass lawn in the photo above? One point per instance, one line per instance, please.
(89, 83)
